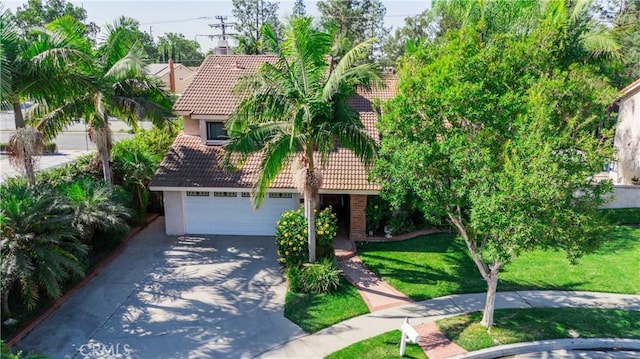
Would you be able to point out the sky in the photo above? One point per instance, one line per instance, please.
(192, 18)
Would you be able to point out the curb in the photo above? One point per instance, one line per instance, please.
(548, 345)
(88, 277)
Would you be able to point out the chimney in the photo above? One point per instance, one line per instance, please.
(172, 77)
(223, 48)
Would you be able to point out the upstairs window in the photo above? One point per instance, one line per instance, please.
(216, 131)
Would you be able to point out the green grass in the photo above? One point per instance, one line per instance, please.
(524, 325)
(313, 312)
(385, 345)
(437, 265)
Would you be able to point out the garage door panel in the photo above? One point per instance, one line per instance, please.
(233, 215)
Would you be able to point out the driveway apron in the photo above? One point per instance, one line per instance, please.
(174, 297)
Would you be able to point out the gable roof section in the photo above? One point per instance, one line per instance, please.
(211, 90)
(191, 164)
(631, 89)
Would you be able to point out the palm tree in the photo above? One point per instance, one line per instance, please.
(294, 109)
(42, 67)
(39, 249)
(120, 88)
(93, 207)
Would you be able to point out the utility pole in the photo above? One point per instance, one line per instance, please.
(223, 26)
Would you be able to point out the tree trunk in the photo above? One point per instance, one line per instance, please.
(18, 118)
(105, 156)
(489, 306)
(309, 206)
(29, 170)
(5, 302)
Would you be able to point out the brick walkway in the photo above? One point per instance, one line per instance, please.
(379, 295)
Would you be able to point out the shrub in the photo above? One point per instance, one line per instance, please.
(320, 277)
(378, 213)
(60, 176)
(291, 236)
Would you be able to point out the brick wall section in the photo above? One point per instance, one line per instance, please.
(358, 219)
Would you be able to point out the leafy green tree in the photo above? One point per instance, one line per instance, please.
(416, 28)
(354, 21)
(251, 16)
(36, 13)
(501, 133)
(39, 249)
(293, 110)
(120, 88)
(627, 29)
(299, 9)
(180, 49)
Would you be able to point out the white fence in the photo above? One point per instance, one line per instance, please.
(625, 196)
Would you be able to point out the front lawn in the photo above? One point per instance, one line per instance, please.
(525, 325)
(511, 326)
(385, 345)
(313, 312)
(437, 265)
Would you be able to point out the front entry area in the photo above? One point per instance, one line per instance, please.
(232, 213)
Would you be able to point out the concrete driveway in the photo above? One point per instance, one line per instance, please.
(174, 297)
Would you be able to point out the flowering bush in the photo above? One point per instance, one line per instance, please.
(291, 235)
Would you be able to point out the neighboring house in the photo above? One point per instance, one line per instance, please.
(202, 198)
(182, 75)
(627, 137)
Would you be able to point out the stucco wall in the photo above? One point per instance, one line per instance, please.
(627, 138)
(173, 213)
(625, 197)
(183, 77)
(191, 126)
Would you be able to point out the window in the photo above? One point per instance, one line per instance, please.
(216, 131)
(197, 194)
(225, 194)
(280, 195)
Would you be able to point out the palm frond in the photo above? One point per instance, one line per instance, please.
(346, 70)
(276, 156)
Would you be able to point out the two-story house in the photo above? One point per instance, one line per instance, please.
(200, 197)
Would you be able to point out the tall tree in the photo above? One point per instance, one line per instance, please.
(251, 16)
(298, 8)
(416, 28)
(353, 22)
(293, 111)
(627, 29)
(45, 67)
(501, 131)
(36, 13)
(184, 50)
(120, 88)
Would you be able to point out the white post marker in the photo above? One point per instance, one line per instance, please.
(409, 333)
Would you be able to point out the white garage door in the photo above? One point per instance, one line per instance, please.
(232, 213)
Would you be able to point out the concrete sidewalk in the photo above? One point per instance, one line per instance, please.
(351, 331)
(44, 162)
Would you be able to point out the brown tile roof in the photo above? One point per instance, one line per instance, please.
(211, 90)
(192, 164)
(189, 163)
(362, 101)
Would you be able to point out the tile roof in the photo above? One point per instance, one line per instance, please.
(362, 101)
(211, 90)
(189, 163)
